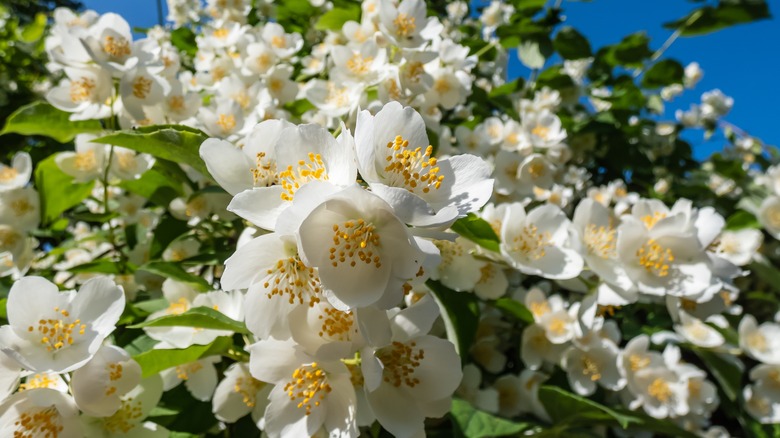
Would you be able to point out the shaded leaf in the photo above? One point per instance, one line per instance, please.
(663, 73)
(57, 190)
(726, 14)
(473, 423)
(153, 361)
(40, 118)
(460, 314)
(176, 272)
(514, 308)
(570, 44)
(200, 317)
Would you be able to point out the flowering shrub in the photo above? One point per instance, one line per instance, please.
(342, 219)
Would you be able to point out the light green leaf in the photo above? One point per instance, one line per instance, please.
(478, 230)
(177, 143)
(514, 308)
(200, 317)
(3, 309)
(461, 315)
(741, 219)
(473, 423)
(151, 306)
(40, 118)
(335, 18)
(176, 272)
(57, 190)
(156, 360)
(34, 31)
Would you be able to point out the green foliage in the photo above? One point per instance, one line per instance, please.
(725, 14)
(176, 272)
(177, 143)
(663, 73)
(477, 230)
(461, 315)
(335, 18)
(156, 360)
(571, 44)
(472, 423)
(199, 317)
(57, 190)
(40, 118)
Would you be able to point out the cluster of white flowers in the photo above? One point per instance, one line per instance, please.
(348, 163)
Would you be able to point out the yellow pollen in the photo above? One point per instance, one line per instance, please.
(38, 381)
(221, 33)
(264, 61)
(264, 173)
(414, 169)
(227, 122)
(116, 47)
(539, 308)
(8, 173)
(114, 371)
(651, 220)
(541, 131)
(291, 278)
(178, 307)
(531, 243)
(81, 90)
(21, 207)
(660, 390)
(336, 324)
(38, 422)
(176, 103)
(141, 87)
(600, 241)
(591, 369)
(355, 239)
(404, 25)
(537, 170)
(248, 388)
(400, 362)
(558, 326)
(185, 371)
(637, 362)
(278, 42)
(292, 179)
(126, 160)
(756, 340)
(58, 333)
(8, 238)
(85, 161)
(124, 419)
(655, 258)
(359, 65)
(309, 386)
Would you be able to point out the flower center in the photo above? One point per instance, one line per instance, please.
(292, 179)
(58, 333)
(442, 86)
(21, 207)
(176, 103)
(8, 173)
(541, 131)
(141, 87)
(178, 307)
(651, 220)
(600, 241)
(309, 386)
(85, 161)
(531, 243)
(591, 368)
(248, 387)
(336, 324)
(114, 374)
(355, 238)
(404, 25)
(756, 341)
(539, 308)
(293, 279)
(400, 362)
(221, 33)
(36, 422)
(81, 89)
(660, 390)
(264, 173)
(227, 122)
(124, 419)
(8, 238)
(637, 362)
(278, 42)
(126, 161)
(185, 371)
(412, 168)
(359, 65)
(116, 47)
(655, 258)
(38, 381)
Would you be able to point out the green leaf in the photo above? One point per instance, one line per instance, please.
(100, 218)
(630, 51)
(176, 143)
(57, 190)
(473, 423)
(663, 73)
(767, 272)
(515, 309)
(140, 344)
(183, 38)
(741, 219)
(726, 14)
(154, 361)
(176, 272)
(477, 230)
(156, 185)
(3, 309)
(201, 317)
(335, 18)
(40, 118)
(166, 232)
(461, 315)
(726, 369)
(34, 31)
(570, 44)
(508, 88)
(151, 306)
(100, 266)
(564, 406)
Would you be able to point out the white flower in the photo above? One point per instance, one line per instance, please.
(769, 215)
(536, 243)
(98, 385)
(543, 129)
(17, 174)
(40, 412)
(20, 208)
(308, 394)
(408, 374)
(363, 252)
(10, 372)
(662, 392)
(110, 42)
(239, 394)
(406, 24)
(469, 390)
(365, 65)
(395, 158)
(697, 332)
(87, 163)
(283, 44)
(302, 154)
(59, 332)
(199, 377)
(86, 93)
(595, 361)
(761, 342)
(128, 420)
(693, 74)
(762, 398)
(140, 87)
(126, 164)
(738, 247)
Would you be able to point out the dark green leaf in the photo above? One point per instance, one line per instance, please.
(570, 44)
(40, 118)
(726, 14)
(564, 406)
(156, 360)
(176, 143)
(726, 369)
(57, 190)
(514, 308)
(477, 230)
(461, 315)
(473, 423)
(508, 88)
(630, 52)
(166, 232)
(201, 317)
(99, 218)
(663, 73)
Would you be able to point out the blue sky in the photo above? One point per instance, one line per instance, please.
(743, 61)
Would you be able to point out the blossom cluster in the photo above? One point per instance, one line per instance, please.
(306, 270)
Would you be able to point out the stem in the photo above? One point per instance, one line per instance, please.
(669, 41)
(487, 47)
